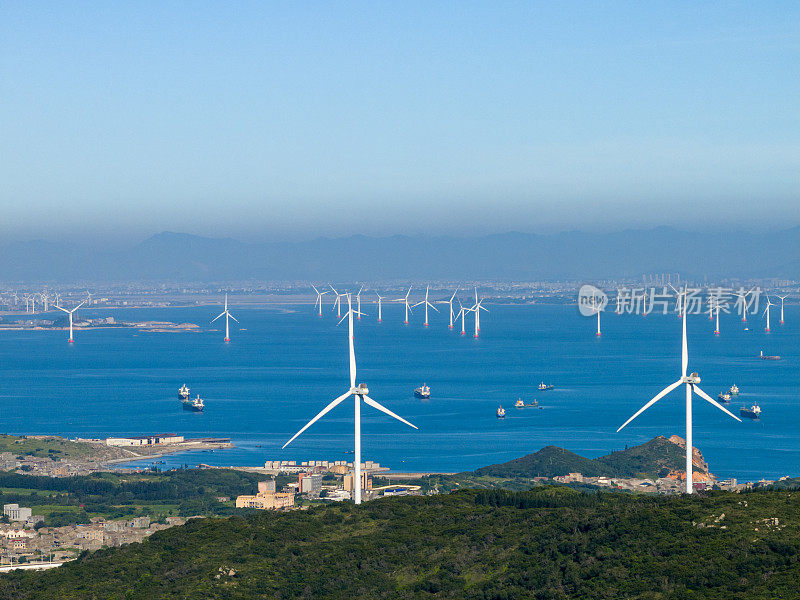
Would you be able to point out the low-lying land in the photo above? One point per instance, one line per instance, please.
(548, 543)
(54, 456)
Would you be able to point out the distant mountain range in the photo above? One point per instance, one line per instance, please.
(509, 256)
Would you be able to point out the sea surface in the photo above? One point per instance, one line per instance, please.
(285, 364)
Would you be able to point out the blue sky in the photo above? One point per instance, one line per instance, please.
(271, 120)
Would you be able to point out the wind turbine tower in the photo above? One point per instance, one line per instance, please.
(782, 299)
(691, 381)
(450, 304)
(380, 300)
(71, 340)
(716, 330)
(766, 312)
(427, 304)
(359, 393)
(227, 316)
(318, 301)
(405, 301)
(477, 308)
(337, 304)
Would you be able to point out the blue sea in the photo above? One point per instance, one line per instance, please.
(285, 364)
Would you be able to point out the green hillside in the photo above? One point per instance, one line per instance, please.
(547, 462)
(652, 459)
(548, 543)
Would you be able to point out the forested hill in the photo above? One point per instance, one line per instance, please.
(548, 543)
(652, 459)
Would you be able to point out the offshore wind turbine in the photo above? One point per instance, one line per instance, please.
(228, 315)
(358, 302)
(744, 304)
(337, 304)
(318, 301)
(782, 299)
(462, 313)
(70, 312)
(380, 299)
(405, 301)
(427, 304)
(766, 312)
(691, 382)
(477, 308)
(596, 309)
(450, 304)
(359, 393)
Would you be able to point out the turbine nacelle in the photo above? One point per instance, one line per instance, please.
(361, 389)
(693, 378)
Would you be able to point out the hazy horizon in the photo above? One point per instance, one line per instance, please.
(278, 122)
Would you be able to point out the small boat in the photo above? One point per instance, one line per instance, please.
(545, 386)
(534, 404)
(501, 413)
(723, 397)
(768, 357)
(195, 404)
(519, 403)
(734, 390)
(754, 412)
(423, 392)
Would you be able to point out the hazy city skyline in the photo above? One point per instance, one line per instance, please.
(269, 121)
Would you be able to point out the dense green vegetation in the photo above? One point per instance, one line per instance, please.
(655, 458)
(547, 543)
(181, 492)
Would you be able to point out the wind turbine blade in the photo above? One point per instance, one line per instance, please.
(232, 317)
(409, 291)
(417, 304)
(79, 305)
(218, 316)
(315, 288)
(62, 309)
(352, 349)
(321, 414)
(655, 399)
(708, 398)
(383, 409)
(684, 348)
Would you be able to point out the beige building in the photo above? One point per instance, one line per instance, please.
(349, 481)
(266, 501)
(146, 440)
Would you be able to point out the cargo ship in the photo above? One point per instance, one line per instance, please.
(768, 357)
(724, 398)
(754, 412)
(734, 391)
(545, 386)
(423, 392)
(195, 404)
(519, 403)
(183, 393)
(501, 413)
